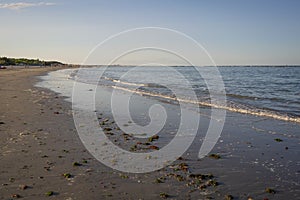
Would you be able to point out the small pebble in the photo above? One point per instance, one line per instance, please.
(23, 187)
(15, 196)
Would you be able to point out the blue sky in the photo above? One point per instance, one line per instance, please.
(233, 32)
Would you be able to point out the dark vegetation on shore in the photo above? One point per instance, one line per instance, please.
(4, 61)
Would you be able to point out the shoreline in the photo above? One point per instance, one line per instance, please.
(39, 144)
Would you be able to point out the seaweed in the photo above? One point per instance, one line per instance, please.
(270, 190)
(49, 193)
(228, 197)
(67, 175)
(76, 164)
(215, 156)
(154, 137)
(164, 195)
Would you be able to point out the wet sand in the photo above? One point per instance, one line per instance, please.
(40, 145)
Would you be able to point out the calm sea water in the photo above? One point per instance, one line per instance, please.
(265, 91)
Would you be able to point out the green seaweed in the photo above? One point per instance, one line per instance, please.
(152, 138)
(67, 175)
(49, 193)
(123, 176)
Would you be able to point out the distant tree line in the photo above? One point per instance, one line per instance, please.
(4, 61)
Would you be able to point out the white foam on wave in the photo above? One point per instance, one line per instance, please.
(261, 113)
(129, 83)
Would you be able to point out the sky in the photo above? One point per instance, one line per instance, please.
(232, 32)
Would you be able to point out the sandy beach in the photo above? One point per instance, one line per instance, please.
(42, 156)
(39, 146)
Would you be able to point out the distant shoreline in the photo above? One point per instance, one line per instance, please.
(30, 63)
(89, 66)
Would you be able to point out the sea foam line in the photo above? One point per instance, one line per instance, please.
(232, 109)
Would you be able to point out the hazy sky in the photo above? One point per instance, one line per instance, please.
(233, 32)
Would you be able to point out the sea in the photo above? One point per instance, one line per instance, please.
(268, 91)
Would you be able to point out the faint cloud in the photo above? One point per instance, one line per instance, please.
(21, 5)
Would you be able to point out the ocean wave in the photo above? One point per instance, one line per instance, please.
(128, 83)
(150, 85)
(233, 107)
(239, 103)
(255, 98)
(238, 96)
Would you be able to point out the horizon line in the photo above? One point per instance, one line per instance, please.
(171, 65)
